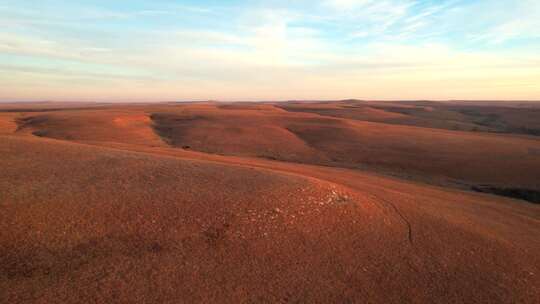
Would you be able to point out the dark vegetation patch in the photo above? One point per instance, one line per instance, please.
(351, 101)
(320, 133)
(401, 110)
(171, 127)
(299, 109)
(420, 102)
(485, 119)
(477, 118)
(529, 195)
(504, 120)
(525, 130)
(450, 117)
(533, 151)
(40, 133)
(30, 121)
(353, 107)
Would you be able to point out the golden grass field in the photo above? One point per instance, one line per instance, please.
(297, 202)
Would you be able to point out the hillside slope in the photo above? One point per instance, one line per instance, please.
(81, 223)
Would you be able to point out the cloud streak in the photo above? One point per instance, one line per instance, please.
(328, 49)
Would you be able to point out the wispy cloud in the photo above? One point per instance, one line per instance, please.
(325, 49)
(520, 21)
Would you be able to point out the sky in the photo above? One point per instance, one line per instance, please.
(165, 50)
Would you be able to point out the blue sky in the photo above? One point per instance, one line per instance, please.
(261, 50)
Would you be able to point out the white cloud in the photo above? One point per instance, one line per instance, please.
(524, 24)
(265, 52)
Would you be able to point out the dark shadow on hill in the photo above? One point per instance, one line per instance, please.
(532, 196)
(29, 122)
(171, 128)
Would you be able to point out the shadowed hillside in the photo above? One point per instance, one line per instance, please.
(190, 202)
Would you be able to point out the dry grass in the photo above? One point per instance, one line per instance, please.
(105, 211)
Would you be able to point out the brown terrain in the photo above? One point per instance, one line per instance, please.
(296, 202)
